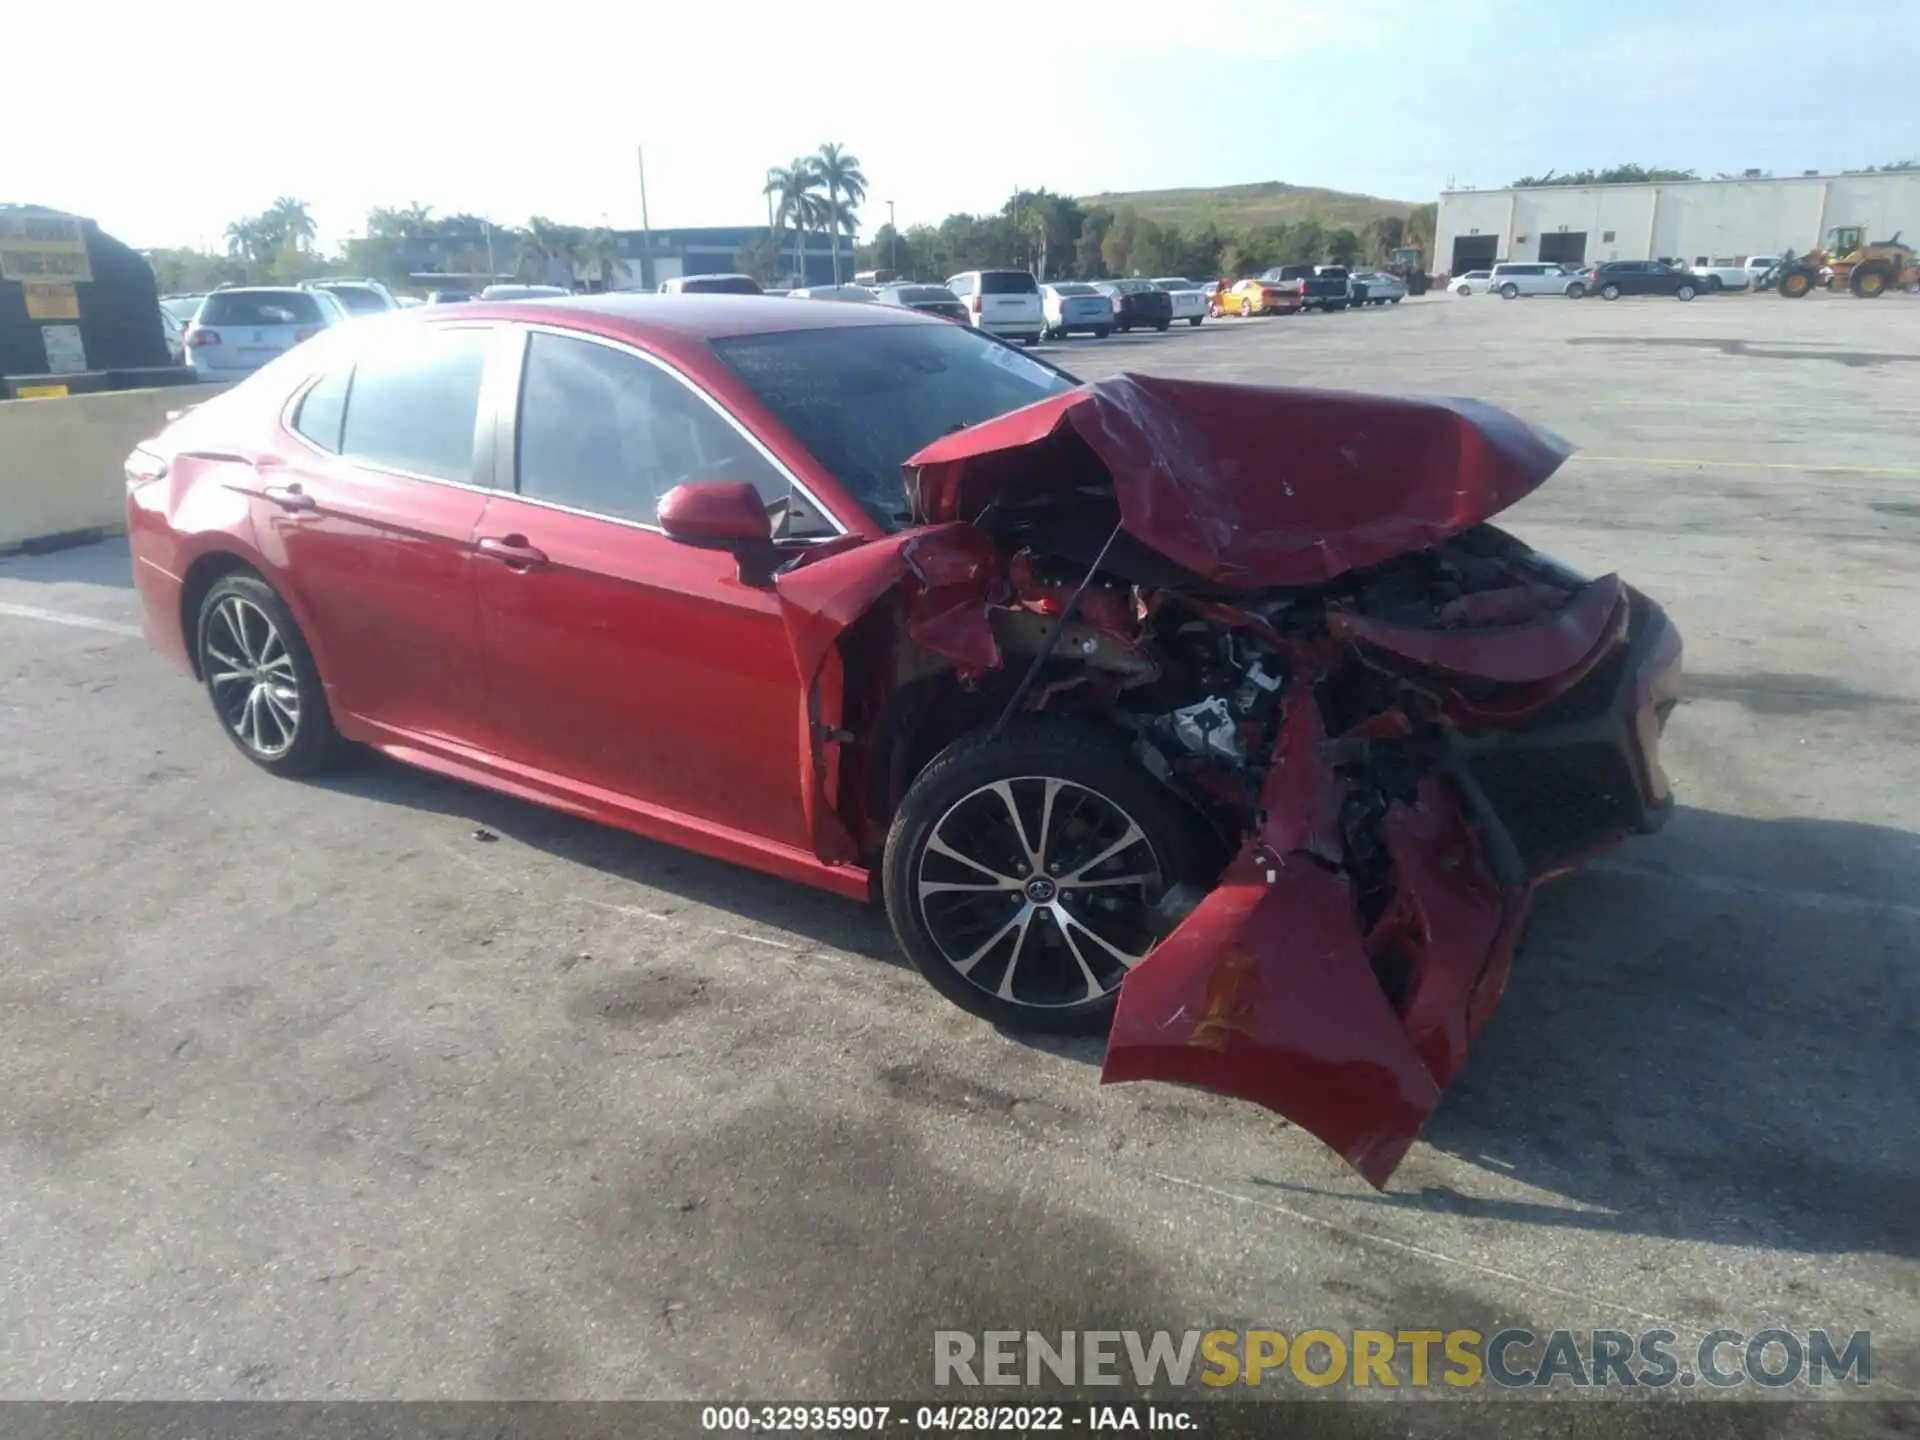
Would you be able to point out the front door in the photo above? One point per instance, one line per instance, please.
(367, 513)
(618, 659)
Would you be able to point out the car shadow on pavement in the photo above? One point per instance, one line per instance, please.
(1709, 1036)
(86, 562)
(825, 919)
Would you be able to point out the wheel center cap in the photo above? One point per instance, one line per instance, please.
(1041, 890)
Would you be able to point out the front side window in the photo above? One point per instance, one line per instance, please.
(604, 431)
(414, 399)
(863, 400)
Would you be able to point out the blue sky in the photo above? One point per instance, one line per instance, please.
(189, 124)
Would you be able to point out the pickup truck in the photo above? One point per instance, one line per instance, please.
(1316, 292)
(1725, 275)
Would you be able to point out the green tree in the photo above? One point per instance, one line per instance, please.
(1422, 222)
(1614, 175)
(1087, 250)
(890, 250)
(797, 203)
(599, 253)
(840, 173)
(291, 224)
(1306, 242)
(760, 259)
(1381, 236)
(1343, 246)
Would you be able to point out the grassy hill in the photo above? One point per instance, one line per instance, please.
(1234, 207)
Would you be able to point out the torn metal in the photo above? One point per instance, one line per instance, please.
(1395, 718)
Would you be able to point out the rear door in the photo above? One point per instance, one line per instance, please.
(619, 661)
(369, 516)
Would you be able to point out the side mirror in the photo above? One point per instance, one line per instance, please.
(723, 515)
(715, 515)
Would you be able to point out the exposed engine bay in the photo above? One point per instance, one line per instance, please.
(1391, 724)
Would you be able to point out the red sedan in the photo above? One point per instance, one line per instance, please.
(1227, 693)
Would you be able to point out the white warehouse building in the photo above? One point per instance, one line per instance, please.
(1697, 222)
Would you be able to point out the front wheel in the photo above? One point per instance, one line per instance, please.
(1163, 326)
(1609, 292)
(261, 678)
(1685, 292)
(1509, 291)
(1576, 291)
(1100, 332)
(1021, 873)
(1194, 320)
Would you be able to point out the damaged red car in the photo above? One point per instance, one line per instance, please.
(1219, 718)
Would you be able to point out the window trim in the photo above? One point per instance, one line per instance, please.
(482, 430)
(506, 440)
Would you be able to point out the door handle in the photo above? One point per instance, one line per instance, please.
(289, 497)
(513, 551)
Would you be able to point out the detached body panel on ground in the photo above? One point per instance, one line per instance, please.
(1212, 712)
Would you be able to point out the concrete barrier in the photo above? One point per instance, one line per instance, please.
(62, 459)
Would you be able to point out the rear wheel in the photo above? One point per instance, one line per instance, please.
(1193, 320)
(1163, 326)
(1685, 292)
(261, 678)
(1609, 292)
(1871, 280)
(1509, 291)
(1020, 874)
(1715, 284)
(1100, 332)
(1576, 291)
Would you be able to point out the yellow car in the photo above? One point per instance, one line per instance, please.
(1254, 297)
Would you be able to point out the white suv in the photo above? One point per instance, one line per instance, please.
(1510, 282)
(1002, 302)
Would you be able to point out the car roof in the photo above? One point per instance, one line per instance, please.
(693, 317)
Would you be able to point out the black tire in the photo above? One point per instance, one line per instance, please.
(1163, 326)
(1509, 291)
(1194, 320)
(1609, 292)
(257, 721)
(1685, 292)
(953, 794)
(1795, 284)
(1715, 284)
(1576, 291)
(1871, 280)
(1101, 332)
(1394, 301)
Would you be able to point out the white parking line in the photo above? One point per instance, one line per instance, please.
(66, 617)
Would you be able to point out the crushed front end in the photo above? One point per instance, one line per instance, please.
(1392, 719)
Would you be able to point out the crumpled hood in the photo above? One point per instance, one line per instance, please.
(1249, 486)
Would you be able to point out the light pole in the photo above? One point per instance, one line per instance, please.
(646, 230)
(893, 243)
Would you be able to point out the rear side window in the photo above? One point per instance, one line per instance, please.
(323, 410)
(414, 400)
(1074, 290)
(924, 294)
(609, 433)
(961, 285)
(720, 285)
(1008, 282)
(262, 308)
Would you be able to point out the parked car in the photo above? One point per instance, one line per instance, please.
(525, 292)
(1715, 278)
(712, 285)
(356, 297)
(927, 299)
(856, 294)
(239, 329)
(1189, 300)
(1276, 718)
(449, 297)
(1256, 297)
(176, 337)
(1137, 304)
(1071, 307)
(182, 307)
(1316, 291)
(1759, 267)
(1474, 282)
(1377, 287)
(1002, 302)
(1640, 277)
(1511, 281)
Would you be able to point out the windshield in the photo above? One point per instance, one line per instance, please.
(261, 307)
(863, 400)
(721, 285)
(357, 299)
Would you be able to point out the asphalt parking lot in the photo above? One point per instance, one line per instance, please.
(386, 1087)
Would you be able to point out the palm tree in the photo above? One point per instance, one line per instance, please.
(544, 246)
(291, 223)
(797, 200)
(1040, 219)
(416, 219)
(840, 173)
(600, 252)
(245, 237)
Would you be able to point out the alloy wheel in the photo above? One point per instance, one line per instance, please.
(252, 677)
(1036, 890)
